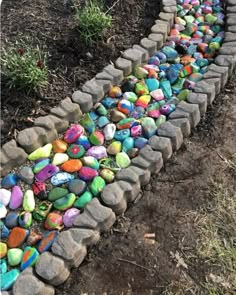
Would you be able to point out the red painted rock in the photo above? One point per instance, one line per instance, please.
(17, 237)
(72, 165)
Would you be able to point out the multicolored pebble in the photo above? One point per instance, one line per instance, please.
(4, 231)
(143, 101)
(121, 135)
(84, 199)
(115, 92)
(73, 133)
(107, 175)
(110, 164)
(87, 173)
(114, 148)
(61, 178)
(29, 258)
(41, 210)
(97, 152)
(40, 165)
(136, 131)
(96, 138)
(84, 142)
(54, 221)
(157, 94)
(48, 238)
(130, 96)
(25, 219)
(11, 219)
(33, 238)
(149, 127)
(75, 151)
(167, 109)
(137, 113)
(125, 106)
(91, 162)
(88, 123)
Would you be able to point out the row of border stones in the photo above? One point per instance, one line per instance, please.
(70, 248)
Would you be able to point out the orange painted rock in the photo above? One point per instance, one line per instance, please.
(59, 146)
(17, 237)
(72, 165)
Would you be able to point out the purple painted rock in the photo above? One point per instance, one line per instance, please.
(47, 240)
(46, 173)
(69, 216)
(87, 173)
(39, 189)
(136, 131)
(97, 152)
(73, 133)
(166, 109)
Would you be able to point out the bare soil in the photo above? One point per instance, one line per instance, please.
(124, 262)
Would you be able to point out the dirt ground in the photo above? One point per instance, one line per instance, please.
(123, 262)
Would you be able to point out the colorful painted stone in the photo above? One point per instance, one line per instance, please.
(127, 123)
(170, 53)
(8, 279)
(114, 148)
(48, 238)
(77, 186)
(166, 88)
(40, 165)
(46, 173)
(160, 120)
(143, 101)
(69, 216)
(130, 96)
(154, 114)
(87, 173)
(140, 72)
(3, 266)
(115, 92)
(141, 88)
(84, 199)
(16, 198)
(26, 174)
(93, 115)
(121, 135)
(127, 144)
(11, 219)
(4, 231)
(5, 196)
(97, 152)
(137, 112)
(152, 74)
(152, 84)
(14, 256)
(65, 203)
(41, 211)
(84, 142)
(110, 164)
(116, 115)
(91, 162)
(123, 160)
(183, 95)
(29, 201)
(57, 193)
(9, 181)
(109, 102)
(109, 131)
(149, 127)
(71, 166)
(3, 250)
(157, 94)
(73, 133)
(96, 138)
(42, 152)
(75, 151)
(3, 211)
(140, 142)
(59, 158)
(100, 109)
(61, 178)
(102, 121)
(107, 175)
(97, 185)
(136, 131)
(25, 219)
(125, 106)
(29, 258)
(17, 237)
(59, 146)
(132, 153)
(33, 238)
(167, 109)
(88, 123)
(53, 221)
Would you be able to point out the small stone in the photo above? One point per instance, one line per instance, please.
(130, 96)
(29, 201)
(83, 200)
(87, 173)
(72, 165)
(54, 220)
(26, 174)
(5, 196)
(97, 185)
(83, 140)
(88, 123)
(77, 186)
(3, 250)
(3, 211)
(97, 152)
(41, 211)
(116, 115)
(4, 231)
(160, 120)
(127, 144)
(3, 266)
(125, 106)
(149, 127)
(109, 103)
(59, 146)
(137, 112)
(140, 72)
(166, 109)
(107, 175)
(140, 142)
(59, 158)
(166, 88)
(25, 219)
(114, 148)
(42, 152)
(69, 216)
(11, 219)
(109, 131)
(17, 237)
(157, 94)
(100, 109)
(75, 151)
(91, 162)
(132, 153)
(40, 165)
(152, 84)
(183, 95)
(123, 160)
(30, 257)
(121, 135)
(33, 238)
(46, 173)
(143, 101)
(102, 121)
(57, 193)
(8, 279)
(61, 177)
(14, 256)
(96, 138)
(9, 181)
(73, 133)
(48, 238)
(64, 203)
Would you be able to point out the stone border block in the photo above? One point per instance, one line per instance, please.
(92, 88)
(145, 55)
(192, 110)
(149, 45)
(154, 159)
(183, 124)
(84, 100)
(105, 84)
(226, 61)
(143, 175)
(169, 17)
(163, 22)
(200, 99)
(170, 9)
(124, 65)
(51, 122)
(214, 71)
(232, 29)
(216, 82)
(158, 38)
(67, 110)
(206, 88)
(135, 56)
(173, 133)
(115, 73)
(160, 29)
(162, 145)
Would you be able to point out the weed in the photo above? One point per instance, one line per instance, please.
(92, 21)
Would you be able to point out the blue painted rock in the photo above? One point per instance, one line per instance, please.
(26, 174)
(8, 279)
(84, 142)
(4, 231)
(170, 53)
(61, 177)
(154, 60)
(152, 84)
(136, 131)
(33, 238)
(137, 112)
(149, 127)
(125, 106)
(172, 75)
(93, 115)
(96, 138)
(3, 211)
(102, 121)
(97, 185)
(127, 144)
(90, 162)
(87, 173)
(75, 151)
(69, 216)
(57, 193)
(42, 152)
(46, 173)
(14, 256)
(97, 152)
(161, 56)
(3, 266)
(39, 189)
(5, 196)
(109, 102)
(77, 186)
(109, 131)
(11, 219)
(121, 135)
(25, 219)
(17, 237)
(54, 220)
(114, 148)
(107, 175)
(29, 258)
(88, 123)
(48, 238)
(9, 181)
(123, 160)
(83, 200)
(40, 165)
(73, 133)
(140, 142)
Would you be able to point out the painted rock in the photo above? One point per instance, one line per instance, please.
(154, 114)
(39, 189)
(127, 144)
(137, 112)
(93, 115)
(88, 123)
(61, 177)
(140, 72)
(29, 258)
(160, 120)
(83, 200)
(41, 211)
(125, 106)
(3, 250)
(59, 146)
(166, 88)
(87, 173)
(91, 162)
(170, 53)
(183, 95)
(25, 219)
(172, 75)
(116, 115)
(107, 175)
(84, 142)
(100, 109)
(143, 101)
(152, 84)
(53, 221)
(11, 219)
(157, 94)
(46, 173)
(5, 196)
(17, 237)
(8, 279)
(77, 186)
(141, 88)
(109, 102)
(42, 152)
(149, 127)
(167, 109)
(26, 174)
(40, 165)
(72, 165)
(109, 131)
(33, 238)
(123, 160)
(57, 193)
(152, 74)
(110, 164)
(47, 241)
(132, 153)
(128, 85)
(97, 185)
(64, 203)
(121, 135)
(154, 60)
(73, 133)
(59, 158)
(29, 201)
(96, 138)
(69, 216)
(75, 151)
(115, 92)
(136, 131)
(4, 231)
(14, 256)
(3, 211)
(97, 152)
(114, 148)
(3, 266)
(130, 96)
(102, 121)
(161, 56)
(9, 181)
(140, 142)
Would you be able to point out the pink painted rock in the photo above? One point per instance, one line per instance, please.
(87, 173)
(73, 133)
(97, 152)
(46, 173)
(70, 216)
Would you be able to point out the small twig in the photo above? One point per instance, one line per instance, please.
(109, 9)
(132, 262)
(221, 157)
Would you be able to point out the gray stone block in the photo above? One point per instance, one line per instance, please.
(153, 157)
(183, 124)
(67, 110)
(11, 156)
(232, 29)
(193, 110)
(94, 90)
(200, 99)
(170, 9)
(144, 52)
(169, 17)
(215, 71)
(169, 2)
(225, 50)
(134, 55)
(104, 76)
(230, 44)
(84, 100)
(208, 89)
(231, 19)
(160, 29)
(149, 45)
(161, 22)
(28, 284)
(127, 175)
(87, 237)
(52, 122)
(162, 145)
(230, 10)
(143, 175)
(158, 38)
(117, 74)
(52, 269)
(105, 84)
(231, 2)
(173, 133)
(226, 61)
(125, 65)
(216, 82)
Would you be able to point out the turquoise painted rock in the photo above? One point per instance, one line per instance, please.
(97, 185)
(123, 160)
(60, 158)
(121, 135)
(170, 53)
(29, 258)
(127, 144)
(107, 175)
(166, 88)
(14, 256)
(25, 219)
(61, 177)
(149, 127)
(64, 203)
(42, 152)
(3, 266)
(91, 162)
(114, 148)
(29, 201)
(77, 186)
(54, 221)
(152, 84)
(73, 133)
(87, 173)
(40, 165)
(8, 279)
(109, 102)
(48, 239)
(75, 151)
(102, 121)
(57, 193)
(9, 181)
(84, 199)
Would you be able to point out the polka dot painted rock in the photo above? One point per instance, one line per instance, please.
(73, 133)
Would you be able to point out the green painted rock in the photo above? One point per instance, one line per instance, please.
(107, 175)
(97, 185)
(91, 162)
(83, 200)
(123, 160)
(28, 201)
(114, 148)
(65, 203)
(160, 120)
(14, 256)
(57, 193)
(183, 95)
(42, 152)
(60, 158)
